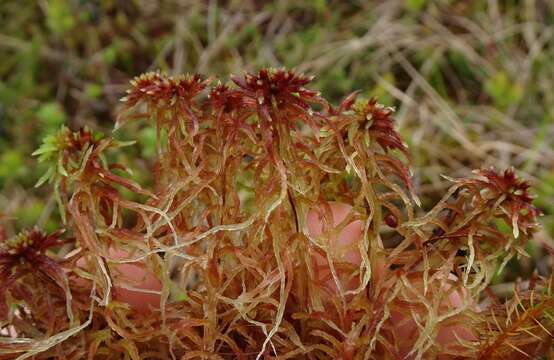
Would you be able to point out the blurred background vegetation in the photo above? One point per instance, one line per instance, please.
(472, 80)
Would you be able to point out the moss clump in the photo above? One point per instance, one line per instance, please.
(241, 241)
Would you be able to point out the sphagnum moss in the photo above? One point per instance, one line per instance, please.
(226, 233)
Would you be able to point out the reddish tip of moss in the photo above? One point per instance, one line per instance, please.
(517, 200)
(30, 241)
(381, 126)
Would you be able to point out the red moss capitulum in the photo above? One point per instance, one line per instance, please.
(277, 226)
(518, 201)
(381, 125)
(25, 255)
(157, 88)
(27, 242)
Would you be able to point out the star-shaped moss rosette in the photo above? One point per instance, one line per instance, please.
(76, 160)
(25, 254)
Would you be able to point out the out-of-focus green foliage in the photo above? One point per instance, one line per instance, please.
(12, 165)
(545, 198)
(59, 17)
(502, 90)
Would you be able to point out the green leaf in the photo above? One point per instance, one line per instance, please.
(11, 164)
(93, 91)
(44, 149)
(46, 177)
(503, 90)
(51, 115)
(110, 54)
(125, 143)
(59, 18)
(415, 5)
